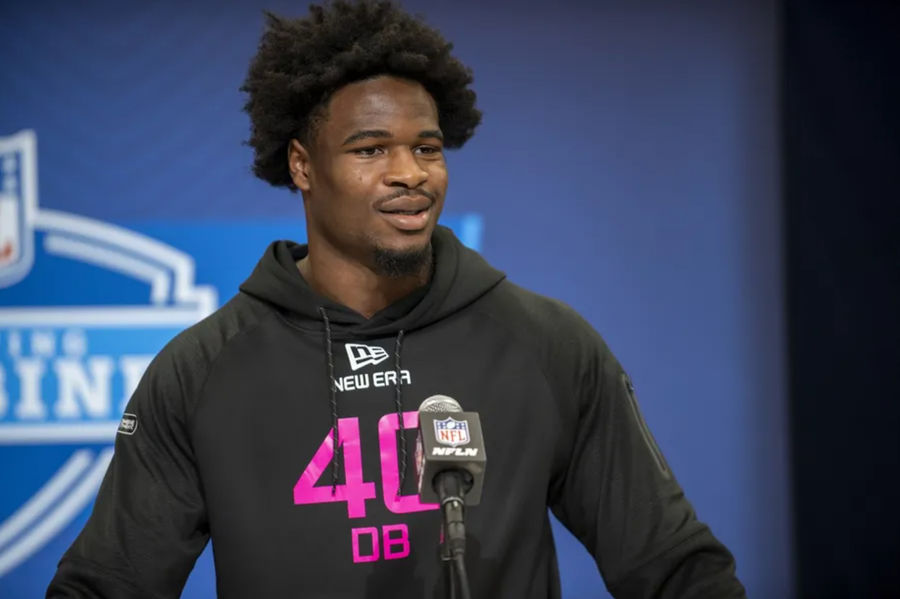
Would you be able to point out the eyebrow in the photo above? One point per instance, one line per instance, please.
(382, 134)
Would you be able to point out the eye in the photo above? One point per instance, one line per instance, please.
(367, 152)
(427, 150)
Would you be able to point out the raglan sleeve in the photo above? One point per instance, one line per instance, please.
(148, 523)
(618, 495)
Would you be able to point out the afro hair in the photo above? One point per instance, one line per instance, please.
(302, 62)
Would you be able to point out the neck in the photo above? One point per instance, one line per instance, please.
(356, 285)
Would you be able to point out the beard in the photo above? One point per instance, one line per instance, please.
(403, 263)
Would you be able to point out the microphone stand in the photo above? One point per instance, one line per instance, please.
(450, 491)
(449, 569)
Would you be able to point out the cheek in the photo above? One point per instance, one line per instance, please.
(351, 198)
(438, 177)
(348, 185)
(357, 180)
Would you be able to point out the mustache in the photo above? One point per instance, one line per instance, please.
(404, 191)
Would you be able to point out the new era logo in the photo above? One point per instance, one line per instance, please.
(362, 355)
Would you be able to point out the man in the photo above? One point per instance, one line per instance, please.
(281, 426)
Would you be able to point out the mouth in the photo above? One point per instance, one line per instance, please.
(407, 220)
(407, 213)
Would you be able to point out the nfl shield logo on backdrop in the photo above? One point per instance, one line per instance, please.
(18, 199)
(451, 432)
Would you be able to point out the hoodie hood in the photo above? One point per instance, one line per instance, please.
(460, 277)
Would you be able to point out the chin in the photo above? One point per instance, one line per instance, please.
(403, 241)
(408, 260)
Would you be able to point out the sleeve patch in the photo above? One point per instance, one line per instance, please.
(128, 425)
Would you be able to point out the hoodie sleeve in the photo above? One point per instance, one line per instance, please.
(619, 497)
(148, 524)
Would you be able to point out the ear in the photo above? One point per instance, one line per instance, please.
(299, 165)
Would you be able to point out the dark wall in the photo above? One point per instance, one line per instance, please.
(842, 185)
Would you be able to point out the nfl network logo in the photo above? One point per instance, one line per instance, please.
(364, 355)
(451, 432)
(84, 307)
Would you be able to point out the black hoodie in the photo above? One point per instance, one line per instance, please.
(235, 428)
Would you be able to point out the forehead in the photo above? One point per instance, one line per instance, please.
(385, 102)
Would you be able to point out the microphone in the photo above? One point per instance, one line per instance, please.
(450, 461)
(450, 470)
(449, 445)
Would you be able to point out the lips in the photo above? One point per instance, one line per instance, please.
(405, 205)
(407, 213)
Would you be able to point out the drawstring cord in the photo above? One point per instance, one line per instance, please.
(398, 404)
(334, 407)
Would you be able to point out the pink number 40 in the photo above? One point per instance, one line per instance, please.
(355, 491)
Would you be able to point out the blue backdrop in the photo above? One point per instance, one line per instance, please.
(627, 164)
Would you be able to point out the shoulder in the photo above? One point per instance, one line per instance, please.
(179, 370)
(561, 335)
(544, 317)
(202, 342)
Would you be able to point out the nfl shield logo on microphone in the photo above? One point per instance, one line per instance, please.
(451, 432)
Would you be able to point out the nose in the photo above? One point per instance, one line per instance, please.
(404, 170)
